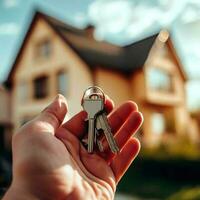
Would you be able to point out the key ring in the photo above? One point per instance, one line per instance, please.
(96, 90)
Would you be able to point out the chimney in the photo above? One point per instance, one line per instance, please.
(90, 31)
(163, 35)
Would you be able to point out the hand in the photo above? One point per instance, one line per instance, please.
(49, 162)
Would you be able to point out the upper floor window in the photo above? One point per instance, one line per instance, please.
(62, 82)
(43, 49)
(159, 80)
(40, 87)
(23, 91)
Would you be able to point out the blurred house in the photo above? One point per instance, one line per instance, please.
(57, 58)
(195, 116)
(5, 120)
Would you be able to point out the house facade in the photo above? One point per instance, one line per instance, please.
(55, 58)
(164, 101)
(46, 67)
(5, 120)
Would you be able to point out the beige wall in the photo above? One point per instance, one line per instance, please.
(138, 90)
(115, 84)
(160, 57)
(4, 106)
(62, 58)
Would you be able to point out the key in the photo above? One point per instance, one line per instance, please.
(98, 141)
(92, 103)
(102, 124)
(100, 145)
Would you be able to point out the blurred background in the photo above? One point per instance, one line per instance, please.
(145, 51)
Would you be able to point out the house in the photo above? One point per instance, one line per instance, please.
(5, 120)
(57, 58)
(195, 120)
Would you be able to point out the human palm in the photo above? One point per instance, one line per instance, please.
(51, 163)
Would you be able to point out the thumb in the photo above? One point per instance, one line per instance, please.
(54, 114)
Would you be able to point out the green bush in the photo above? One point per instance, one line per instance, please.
(181, 148)
(186, 194)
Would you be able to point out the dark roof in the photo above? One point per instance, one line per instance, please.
(100, 53)
(95, 53)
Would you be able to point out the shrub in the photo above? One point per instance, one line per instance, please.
(186, 194)
(181, 148)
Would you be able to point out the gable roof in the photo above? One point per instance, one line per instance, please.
(164, 39)
(100, 53)
(176, 58)
(95, 53)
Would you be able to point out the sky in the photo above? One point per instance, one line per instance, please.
(117, 21)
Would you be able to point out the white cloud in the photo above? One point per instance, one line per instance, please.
(11, 3)
(109, 17)
(9, 29)
(126, 20)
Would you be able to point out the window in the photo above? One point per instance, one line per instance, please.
(43, 49)
(22, 91)
(163, 121)
(40, 87)
(158, 123)
(159, 80)
(62, 81)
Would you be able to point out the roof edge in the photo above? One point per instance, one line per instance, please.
(170, 44)
(36, 15)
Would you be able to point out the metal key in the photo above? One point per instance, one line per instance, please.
(102, 124)
(93, 103)
(98, 142)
